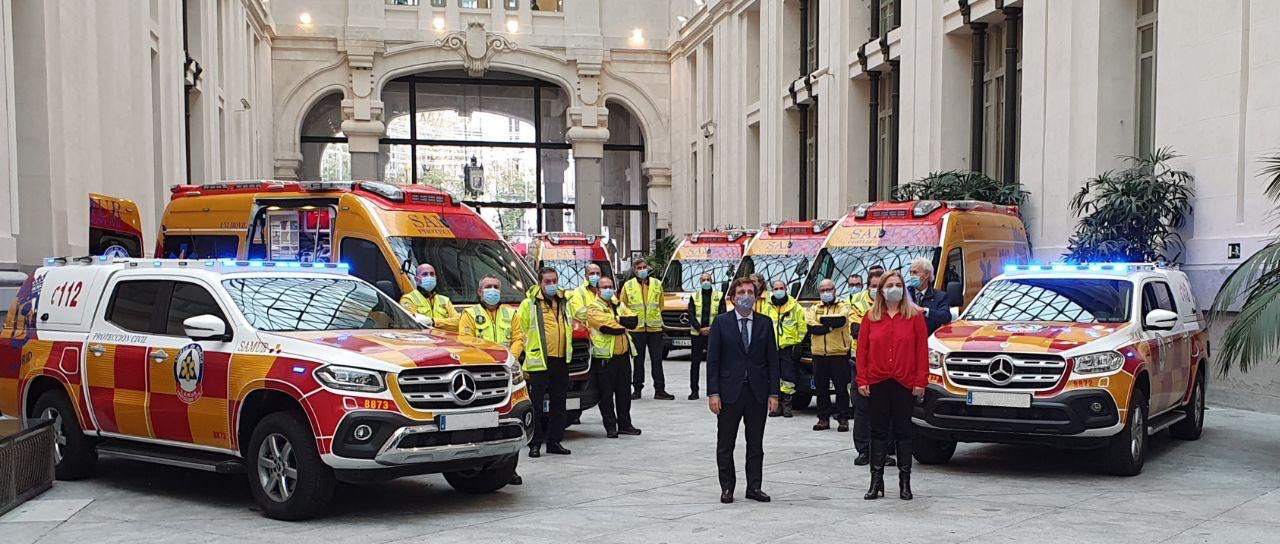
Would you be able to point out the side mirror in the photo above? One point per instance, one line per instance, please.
(955, 294)
(205, 327)
(423, 320)
(1161, 320)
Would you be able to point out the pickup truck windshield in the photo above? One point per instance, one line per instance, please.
(287, 304)
(1068, 300)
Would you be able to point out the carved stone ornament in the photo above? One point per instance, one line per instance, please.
(476, 46)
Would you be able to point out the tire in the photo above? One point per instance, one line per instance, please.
(1128, 450)
(801, 401)
(1191, 427)
(286, 436)
(932, 451)
(484, 480)
(74, 453)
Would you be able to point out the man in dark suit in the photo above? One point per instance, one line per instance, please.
(932, 301)
(742, 386)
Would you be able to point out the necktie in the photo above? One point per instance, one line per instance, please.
(746, 334)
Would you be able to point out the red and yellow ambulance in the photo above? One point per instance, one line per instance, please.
(569, 253)
(786, 251)
(716, 251)
(115, 227)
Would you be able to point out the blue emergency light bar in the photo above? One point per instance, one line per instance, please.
(1119, 268)
(185, 263)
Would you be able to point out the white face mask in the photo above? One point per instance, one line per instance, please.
(893, 294)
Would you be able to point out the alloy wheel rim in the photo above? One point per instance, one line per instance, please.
(1139, 434)
(59, 435)
(1198, 413)
(277, 467)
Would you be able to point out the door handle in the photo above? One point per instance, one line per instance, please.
(159, 356)
(98, 350)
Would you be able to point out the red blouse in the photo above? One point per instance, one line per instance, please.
(893, 348)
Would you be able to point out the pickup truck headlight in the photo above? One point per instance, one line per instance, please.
(935, 360)
(1094, 363)
(351, 379)
(517, 371)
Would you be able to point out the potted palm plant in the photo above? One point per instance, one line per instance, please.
(1132, 215)
(962, 185)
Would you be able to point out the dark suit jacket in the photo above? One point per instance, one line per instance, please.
(936, 302)
(728, 363)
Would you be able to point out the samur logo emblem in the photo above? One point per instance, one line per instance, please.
(188, 372)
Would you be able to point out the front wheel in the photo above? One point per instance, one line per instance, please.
(74, 454)
(484, 480)
(1191, 426)
(932, 451)
(288, 479)
(1128, 450)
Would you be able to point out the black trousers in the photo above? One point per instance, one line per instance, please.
(612, 376)
(832, 370)
(861, 422)
(753, 412)
(697, 354)
(651, 342)
(548, 390)
(788, 364)
(890, 410)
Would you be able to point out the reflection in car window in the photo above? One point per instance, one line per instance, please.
(789, 269)
(837, 263)
(685, 274)
(281, 304)
(134, 302)
(574, 272)
(189, 300)
(461, 263)
(1071, 300)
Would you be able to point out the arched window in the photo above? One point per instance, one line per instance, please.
(324, 146)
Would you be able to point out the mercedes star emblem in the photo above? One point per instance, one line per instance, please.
(684, 319)
(1000, 370)
(464, 387)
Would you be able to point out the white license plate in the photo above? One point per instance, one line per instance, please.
(681, 342)
(1003, 400)
(569, 404)
(462, 422)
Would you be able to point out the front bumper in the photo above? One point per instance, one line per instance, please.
(676, 339)
(1068, 419)
(401, 446)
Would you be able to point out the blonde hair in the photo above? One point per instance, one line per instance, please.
(905, 308)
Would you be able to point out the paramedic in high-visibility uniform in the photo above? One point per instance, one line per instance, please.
(611, 350)
(788, 328)
(704, 305)
(491, 321)
(643, 296)
(425, 300)
(542, 338)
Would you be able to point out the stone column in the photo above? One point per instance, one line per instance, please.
(288, 164)
(588, 151)
(362, 141)
(554, 165)
(659, 193)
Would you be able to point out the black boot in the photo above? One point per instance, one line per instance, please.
(904, 470)
(877, 478)
(786, 406)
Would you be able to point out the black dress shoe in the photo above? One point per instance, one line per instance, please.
(611, 433)
(516, 480)
(535, 452)
(862, 460)
(630, 431)
(693, 396)
(663, 395)
(557, 449)
(726, 496)
(890, 461)
(757, 495)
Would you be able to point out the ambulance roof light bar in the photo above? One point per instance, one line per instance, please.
(208, 264)
(1119, 268)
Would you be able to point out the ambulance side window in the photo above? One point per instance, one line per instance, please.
(367, 263)
(135, 307)
(189, 300)
(955, 267)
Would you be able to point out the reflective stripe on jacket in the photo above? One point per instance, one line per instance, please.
(648, 309)
(477, 322)
(528, 329)
(438, 307)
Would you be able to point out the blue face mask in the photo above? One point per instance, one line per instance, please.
(913, 281)
(593, 280)
(643, 274)
(779, 294)
(551, 290)
(853, 290)
(706, 286)
(492, 296)
(872, 292)
(428, 282)
(606, 294)
(827, 297)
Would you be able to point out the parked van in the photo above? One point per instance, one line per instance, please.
(382, 231)
(115, 227)
(569, 253)
(716, 251)
(785, 251)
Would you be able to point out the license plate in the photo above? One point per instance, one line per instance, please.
(462, 422)
(569, 404)
(681, 342)
(1003, 400)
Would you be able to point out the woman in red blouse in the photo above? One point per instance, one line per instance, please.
(894, 343)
